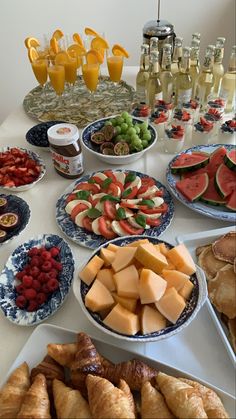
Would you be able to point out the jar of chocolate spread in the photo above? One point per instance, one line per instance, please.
(66, 150)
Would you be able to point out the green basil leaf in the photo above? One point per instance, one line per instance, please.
(109, 198)
(126, 192)
(141, 220)
(130, 177)
(120, 213)
(93, 213)
(106, 183)
(149, 202)
(91, 180)
(83, 195)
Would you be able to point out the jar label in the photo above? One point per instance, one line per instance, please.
(68, 165)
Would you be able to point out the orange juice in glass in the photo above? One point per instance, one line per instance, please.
(90, 76)
(40, 69)
(57, 78)
(115, 67)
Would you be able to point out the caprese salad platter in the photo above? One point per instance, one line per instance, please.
(109, 204)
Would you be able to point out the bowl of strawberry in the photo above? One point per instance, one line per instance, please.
(20, 169)
(36, 279)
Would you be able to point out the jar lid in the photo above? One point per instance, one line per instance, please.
(63, 134)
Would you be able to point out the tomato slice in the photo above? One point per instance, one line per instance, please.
(71, 197)
(104, 225)
(132, 194)
(161, 209)
(147, 182)
(120, 185)
(129, 228)
(77, 209)
(93, 201)
(97, 180)
(113, 189)
(84, 186)
(109, 174)
(110, 209)
(153, 222)
(127, 205)
(87, 223)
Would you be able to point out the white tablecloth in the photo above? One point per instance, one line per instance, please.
(198, 349)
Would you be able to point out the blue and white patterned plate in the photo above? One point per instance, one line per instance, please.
(16, 262)
(83, 237)
(217, 212)
(37, 135)
(198, 297)
(19, 207)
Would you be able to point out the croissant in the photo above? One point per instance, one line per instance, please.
(64, 354)
(13, 392)
(106, 366)
(87, 358)
(77, 381)
(211, 402)
(182, 399)
(107, 401)
(36, 402)
(69, 403)
(153, 405)
(126, 390)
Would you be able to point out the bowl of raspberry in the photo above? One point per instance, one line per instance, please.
(36, 279)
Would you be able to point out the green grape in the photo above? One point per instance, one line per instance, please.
(120, 120)
(124, 127)
(134, 137)
(145, 143)
(118, 137)
(144, 125)
(147, 136)
(125, 115)
(129, 120)
(131, 131)
(137, 142)
(137, 129)
(118, 129)
(113, 121)
(108, 123)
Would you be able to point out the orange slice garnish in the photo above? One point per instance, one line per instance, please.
(93, 56)
(99, 43)
(76, 48)
(33, 54)
(119, 50)
(61, 57)
(54, 45)
(77, 39)
(91, 32)
(31, 42)
(58, 34)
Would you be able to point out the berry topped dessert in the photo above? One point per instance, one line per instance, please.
(174, 139)
(202, 132)
(182, 115)
(176, 132)
(203, 125)
(229, 126)
(159, 119)
(161, 105)
(192, 104)
(227, 132)
(141, 110)
(213, 115)
(216, 104)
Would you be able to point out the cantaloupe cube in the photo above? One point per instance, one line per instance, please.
(186, 291)
(163, 249)
(174, 278)
(112, 247)
(157, 247)
(105, 276)
(171, 305)
(136, 243)
(98, 297)
(90, 271)
(122, 320)
(151, 286)
(126, 282)
(151, 320)
(104, 313)
(129, 303)
(150, 257)
(170, 265)
(124, 257)
(108, 256)
(182, 259)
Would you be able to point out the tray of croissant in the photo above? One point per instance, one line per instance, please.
(215, 252)
(64, 374)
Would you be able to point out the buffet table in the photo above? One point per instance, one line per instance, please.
(198, 349)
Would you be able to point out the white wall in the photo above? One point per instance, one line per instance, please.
(121, 20)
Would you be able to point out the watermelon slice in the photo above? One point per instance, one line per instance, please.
(186, 175)
(230, 160)
(211, 195)
(216, 159)
(188, 162)
(195, 186)
(231, 204)
(225, 180)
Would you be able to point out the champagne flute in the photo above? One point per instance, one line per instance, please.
(90, 74)
(57, 78)
(71, 74)
(40, 69)
(115, 66)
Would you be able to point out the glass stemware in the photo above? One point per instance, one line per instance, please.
(90, 75)
(57, 78)
(115, 67)
(40, 69)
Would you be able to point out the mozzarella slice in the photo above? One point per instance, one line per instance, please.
(100, 175)
(118, 229)
(120, 176)
(79, 218)
(100, 206)
(136, 225)
(149, 192)
(158, 201)
(136, 183)
(72, 204)
(95, 227)
(99, 195)
(153, 216)
(134, 202)
(128, 212)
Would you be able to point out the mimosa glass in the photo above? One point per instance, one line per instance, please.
(90, 75)
(40, 69)
(115, 67)
(57, 78)
(70, 67)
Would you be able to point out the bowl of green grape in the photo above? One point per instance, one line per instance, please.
(118, 139)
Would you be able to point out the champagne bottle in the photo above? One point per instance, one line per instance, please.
(196, 36)
(143, 73)
(228, 84)
(177, 56)
(218, 68)
(194, 65)
(153, 45)
(167, 79)
(184, 80)
(205, 81)
(154, 87)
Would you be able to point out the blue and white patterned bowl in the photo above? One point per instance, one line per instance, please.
(16, 262)
(198, 297)
(94, 149)
(33, 156)
(87, 239)
(19, 207)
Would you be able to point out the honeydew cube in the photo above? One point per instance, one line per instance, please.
(127, 282)
(174, 278)
(108, 256)
(90, 271)
(150, 257)
(98, 297)
(151, 286)
(105, 276)
(122, 320)
(124, 257)
(129, 303)
(182, 259)
(112, 247)
(186, 291)
(137, 243)
(171, 305)
(151, 320)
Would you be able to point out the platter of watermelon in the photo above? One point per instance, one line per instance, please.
(113, 203)
(204, 179)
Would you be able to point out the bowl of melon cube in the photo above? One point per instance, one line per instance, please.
(140, 289)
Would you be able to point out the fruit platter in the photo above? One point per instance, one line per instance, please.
(107, 204)
(204, 178)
